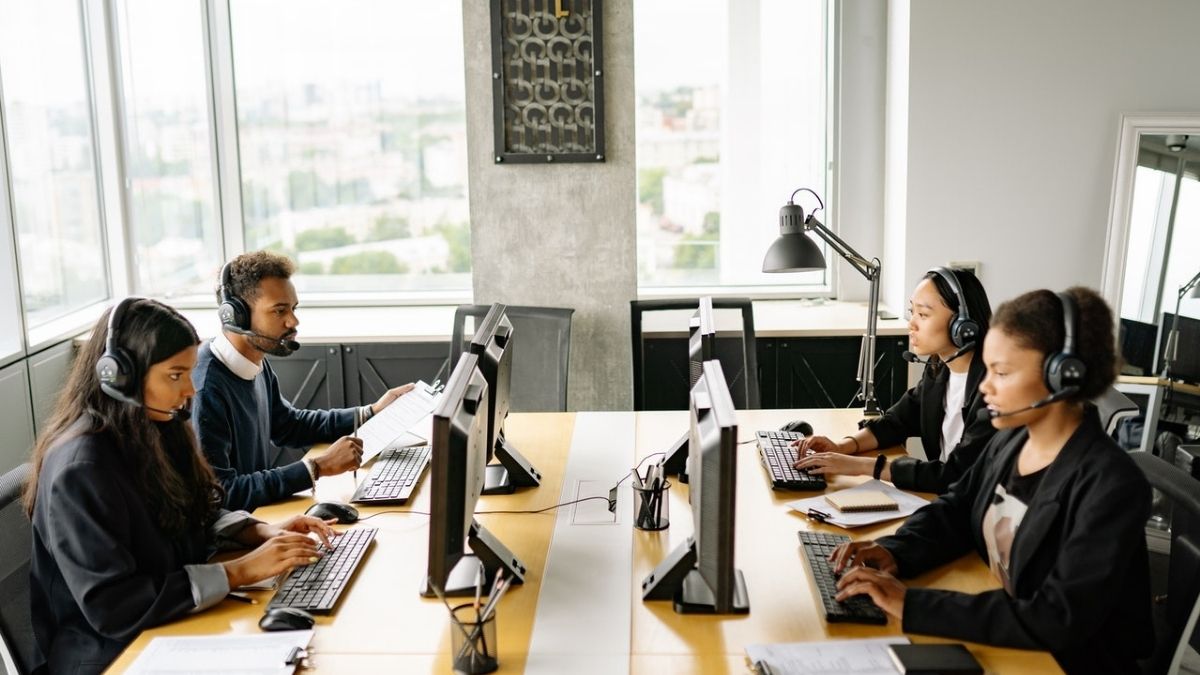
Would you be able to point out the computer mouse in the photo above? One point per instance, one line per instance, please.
(286, 618)
(799, 426)
(344, 513)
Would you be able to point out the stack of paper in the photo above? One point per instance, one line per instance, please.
(907, 503)
(259, 654)
(830, 657)
(407, 421)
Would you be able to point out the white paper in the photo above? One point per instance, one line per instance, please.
(258, 654)
(401, 422)
(831, 657)
(908, 504)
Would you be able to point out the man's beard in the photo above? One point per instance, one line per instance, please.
(273, 346)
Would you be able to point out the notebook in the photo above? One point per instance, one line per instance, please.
(952, 659)
(853, 501)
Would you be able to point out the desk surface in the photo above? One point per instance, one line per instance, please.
(1150, 380)
(382, 623)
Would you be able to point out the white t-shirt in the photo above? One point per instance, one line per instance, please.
(952, 423)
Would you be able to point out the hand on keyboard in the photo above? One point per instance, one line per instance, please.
(304, 525)
(832, 463)
(821, 444)
(271, 558)
(885, 590)
(863, 553)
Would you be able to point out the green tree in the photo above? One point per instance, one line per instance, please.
(699, 251)
(323, 238)
(458, 236)
(650, 188)
(311, 267)
(368, 262)
(389, 227)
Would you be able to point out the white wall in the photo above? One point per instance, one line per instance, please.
(1013, 111)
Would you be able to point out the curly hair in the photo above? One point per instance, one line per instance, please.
(1035, 320)
(249, 269)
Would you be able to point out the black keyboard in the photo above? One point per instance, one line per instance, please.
(317, 587)
(394, 476)
(857, 609)
(775, 449)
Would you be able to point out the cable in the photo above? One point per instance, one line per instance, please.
(748, 440)
(419, 513)
(548, 508)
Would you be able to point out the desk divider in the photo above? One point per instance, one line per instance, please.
(583, 616)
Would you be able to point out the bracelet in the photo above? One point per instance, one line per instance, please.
(857, 447)
(880, 462)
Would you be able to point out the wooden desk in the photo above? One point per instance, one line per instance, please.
(783, 608)
(383, 625)
(381, 622)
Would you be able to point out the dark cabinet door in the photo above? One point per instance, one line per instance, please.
(372, 369)
(820, 372)
(312, 377)
(667, 379)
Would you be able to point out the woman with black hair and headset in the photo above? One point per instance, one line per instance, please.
(125, 509)
(1054, 506)
(949, 314)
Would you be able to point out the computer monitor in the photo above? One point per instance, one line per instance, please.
(1138, 341)
(493, 343)
(1187, 356)
(459, 455)
(702, 342)
(699, 575)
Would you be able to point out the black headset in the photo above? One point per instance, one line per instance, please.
(963, 329)
(116, 369)
(232, 310)
(1064, 370)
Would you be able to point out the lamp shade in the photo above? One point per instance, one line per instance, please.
(793, 251)
(1195, 292)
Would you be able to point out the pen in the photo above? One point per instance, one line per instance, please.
(354, 434)
(819, 516)
(762, 668)
(241, 597)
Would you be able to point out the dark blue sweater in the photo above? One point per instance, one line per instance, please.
(242, 424)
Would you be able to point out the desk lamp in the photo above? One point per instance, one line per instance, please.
(1172, 350)
(795, 252)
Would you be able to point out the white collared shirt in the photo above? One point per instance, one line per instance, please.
(226, 353)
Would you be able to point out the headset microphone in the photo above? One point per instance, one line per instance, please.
(290, 345)
(986, 414)
(913, 358)
(181, 414)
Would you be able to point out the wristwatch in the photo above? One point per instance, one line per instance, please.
(880, 462)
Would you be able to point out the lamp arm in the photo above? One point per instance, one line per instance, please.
(1171, 350)
(1187, 287)
(867, 268)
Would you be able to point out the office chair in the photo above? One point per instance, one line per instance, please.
(743, 377)
(1113, 407)
(541, 356)
(17, 647)
(1175, 613)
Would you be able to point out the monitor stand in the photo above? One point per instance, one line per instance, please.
(512, 471)
(494, 555)
(676, 578)
(675, 458)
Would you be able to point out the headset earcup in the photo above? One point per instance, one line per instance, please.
(233, 312)
(116, 372)
(1062, 371)
(963, 331)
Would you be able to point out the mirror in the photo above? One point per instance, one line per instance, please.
(1154, 238)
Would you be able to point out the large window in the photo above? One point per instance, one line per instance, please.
(352, 134)
(173, 229)
(729, 122)
(51, 158)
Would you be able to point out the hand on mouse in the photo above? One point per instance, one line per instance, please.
(304, 525)
(344, 454)
(273, 557)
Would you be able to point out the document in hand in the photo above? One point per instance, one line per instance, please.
(402, 422)
(828, 657)
(258, 654)
(907, 504)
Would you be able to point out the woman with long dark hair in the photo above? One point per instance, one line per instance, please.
(949, 314)
(125, 509)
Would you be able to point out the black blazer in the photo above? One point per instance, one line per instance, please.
(1079, 570)
(102, 570)
(920, 412)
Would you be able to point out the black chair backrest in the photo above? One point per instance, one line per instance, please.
(1175, 619)
(16, 625)
(541, 353)
(743, 377)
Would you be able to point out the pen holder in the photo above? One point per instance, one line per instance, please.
(472, 642)
(651, 507)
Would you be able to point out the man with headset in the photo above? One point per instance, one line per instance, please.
(246, 428)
